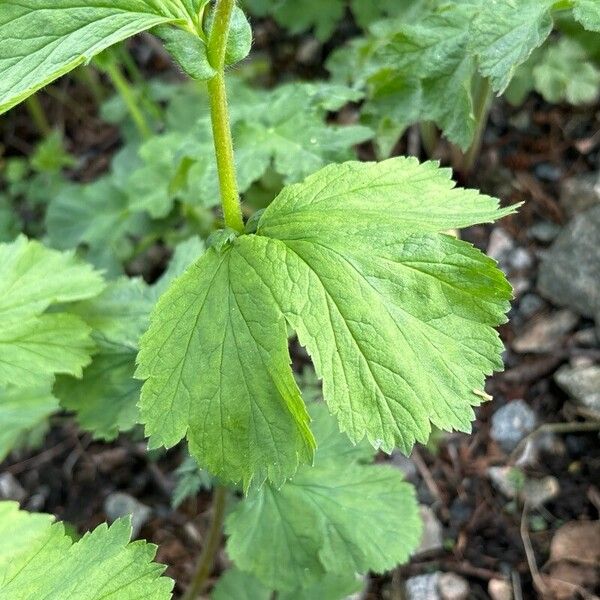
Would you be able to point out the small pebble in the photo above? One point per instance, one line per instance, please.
(548, 172)
(544, 231)
(432, 538)
(520, 259)
(405, 465)
(423, 587)
(120, 504)
(500, 589)
(11, 489)
(530, 304)
(582, 384)
(500, 245)
(545, 333)
(453, 587)
(511, 423)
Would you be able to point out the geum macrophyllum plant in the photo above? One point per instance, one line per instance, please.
(397, 316)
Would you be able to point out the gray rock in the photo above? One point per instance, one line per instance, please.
(405, 465)
(530, 304)
(511, 423)
(582, 384)
(546, 333)
(570, 271)
(536, 492)
(505, 480)
(500, 245)
(431, 539)
(423, 587)
(120, 504)
(11, 489)
(544, 231)
(580, 193)
(453, 587)
(520, 259)
(437, 586)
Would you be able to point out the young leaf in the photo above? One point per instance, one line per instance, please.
(504, 34)
(21, 410)
(396, 315)
(587, 12)
(340, 517)
(38, 560)
(38, 44)
(565, 72)
(34, 345)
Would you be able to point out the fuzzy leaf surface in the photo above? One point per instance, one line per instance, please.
(38, 560)
(38, 44)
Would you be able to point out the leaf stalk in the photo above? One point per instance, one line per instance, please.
(211, 546)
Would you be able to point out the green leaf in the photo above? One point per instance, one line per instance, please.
(34, 345)
(284, 127)
(97, 215)
(39, 44)
(235, 584)
(587, 12)
(38, 347)
(22, 410)
(396, 315)
(217, 367)
(504, 34)
(38, 560)
(188, 50)
(338, 517)
(25, 285)
(565, 73)
(190, 480)
(430, 62)
(105, 398)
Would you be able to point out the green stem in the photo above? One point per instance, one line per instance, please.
(483, 101)
(211, 546)
(429, 137)
(38, 116)
(217, 44)
(124, 89)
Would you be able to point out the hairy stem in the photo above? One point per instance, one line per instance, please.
(122, 86)
(483, 100)
(211, 546)
(217, 45)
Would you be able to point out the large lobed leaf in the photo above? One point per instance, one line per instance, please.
(397, 317)
(38, 560)
(38, 43)
(339, 517)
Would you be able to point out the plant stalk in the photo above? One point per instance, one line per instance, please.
(483, 101)
(124, 89)
(38, 116)
(429, 137)
(217, 45)
(211, 546)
